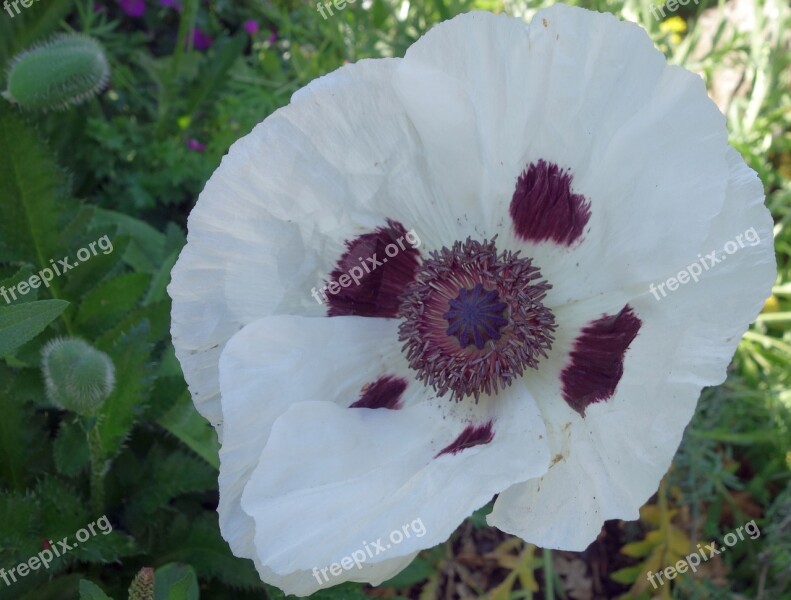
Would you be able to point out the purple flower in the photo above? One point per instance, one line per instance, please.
(195, 145)
(133, 8)
(98, 7)
(251, 26)
(200, 40)
(272, 36)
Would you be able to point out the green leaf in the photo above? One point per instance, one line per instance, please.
(65, 586)
(32, 193)
(22, 435)
(20, 516)
(417, 571)
(175, 582)
(146, 251)
(198, 542)
(111, 301)
(23, 274)
(227, 51)
(627, 575)
(133, 374)
(347, 591)
(186, 423)
(70, 449)
(155, 317)
(91, 591)
(170, 474)
(93, 272)
(21, 323)
(36, 22)
(159, 283)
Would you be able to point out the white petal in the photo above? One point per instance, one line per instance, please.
(489, 95)
(281, 360)
(610, 462)
(274, 218)
(332, 478)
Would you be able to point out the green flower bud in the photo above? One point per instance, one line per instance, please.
(78, 377)
(65, 71)
(142, 587)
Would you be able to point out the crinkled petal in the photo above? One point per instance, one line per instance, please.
(332, 478)
(281, 360)
(490, 95)
(275, 217)
(609, 462)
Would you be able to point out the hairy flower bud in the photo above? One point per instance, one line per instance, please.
(63, 72)
(78, 377)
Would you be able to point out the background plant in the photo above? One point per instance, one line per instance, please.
(187, 79)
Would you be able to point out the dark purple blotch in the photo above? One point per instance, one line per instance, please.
(544, 208)
(596, 364)
(384, 278)
(385, 392)
(473, 435)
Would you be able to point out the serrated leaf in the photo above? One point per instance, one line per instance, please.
(63, 509)
(170, 475)
(133, 373)
(198, 542)
(159, 283)
(21, 323)
(65, 586)
(70, 449)
(184, 421)
(175, 582)
(19, 513)
(146, 251)
(21, 275)
(111, 301)
(91, 591)
(21, 435)
(156, 316)
(91, 273)
(32, 193)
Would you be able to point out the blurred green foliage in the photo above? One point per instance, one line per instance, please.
(130, 163)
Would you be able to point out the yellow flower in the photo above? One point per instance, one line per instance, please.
(673, 25)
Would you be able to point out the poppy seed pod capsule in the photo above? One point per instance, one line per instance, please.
(63, 72)
(78, 377)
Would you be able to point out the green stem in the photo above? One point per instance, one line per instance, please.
(98, 470)
(549, 574)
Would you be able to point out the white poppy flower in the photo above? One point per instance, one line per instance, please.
(491, 218)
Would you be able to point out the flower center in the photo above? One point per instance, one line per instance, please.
(475, 316)
(474, 319)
